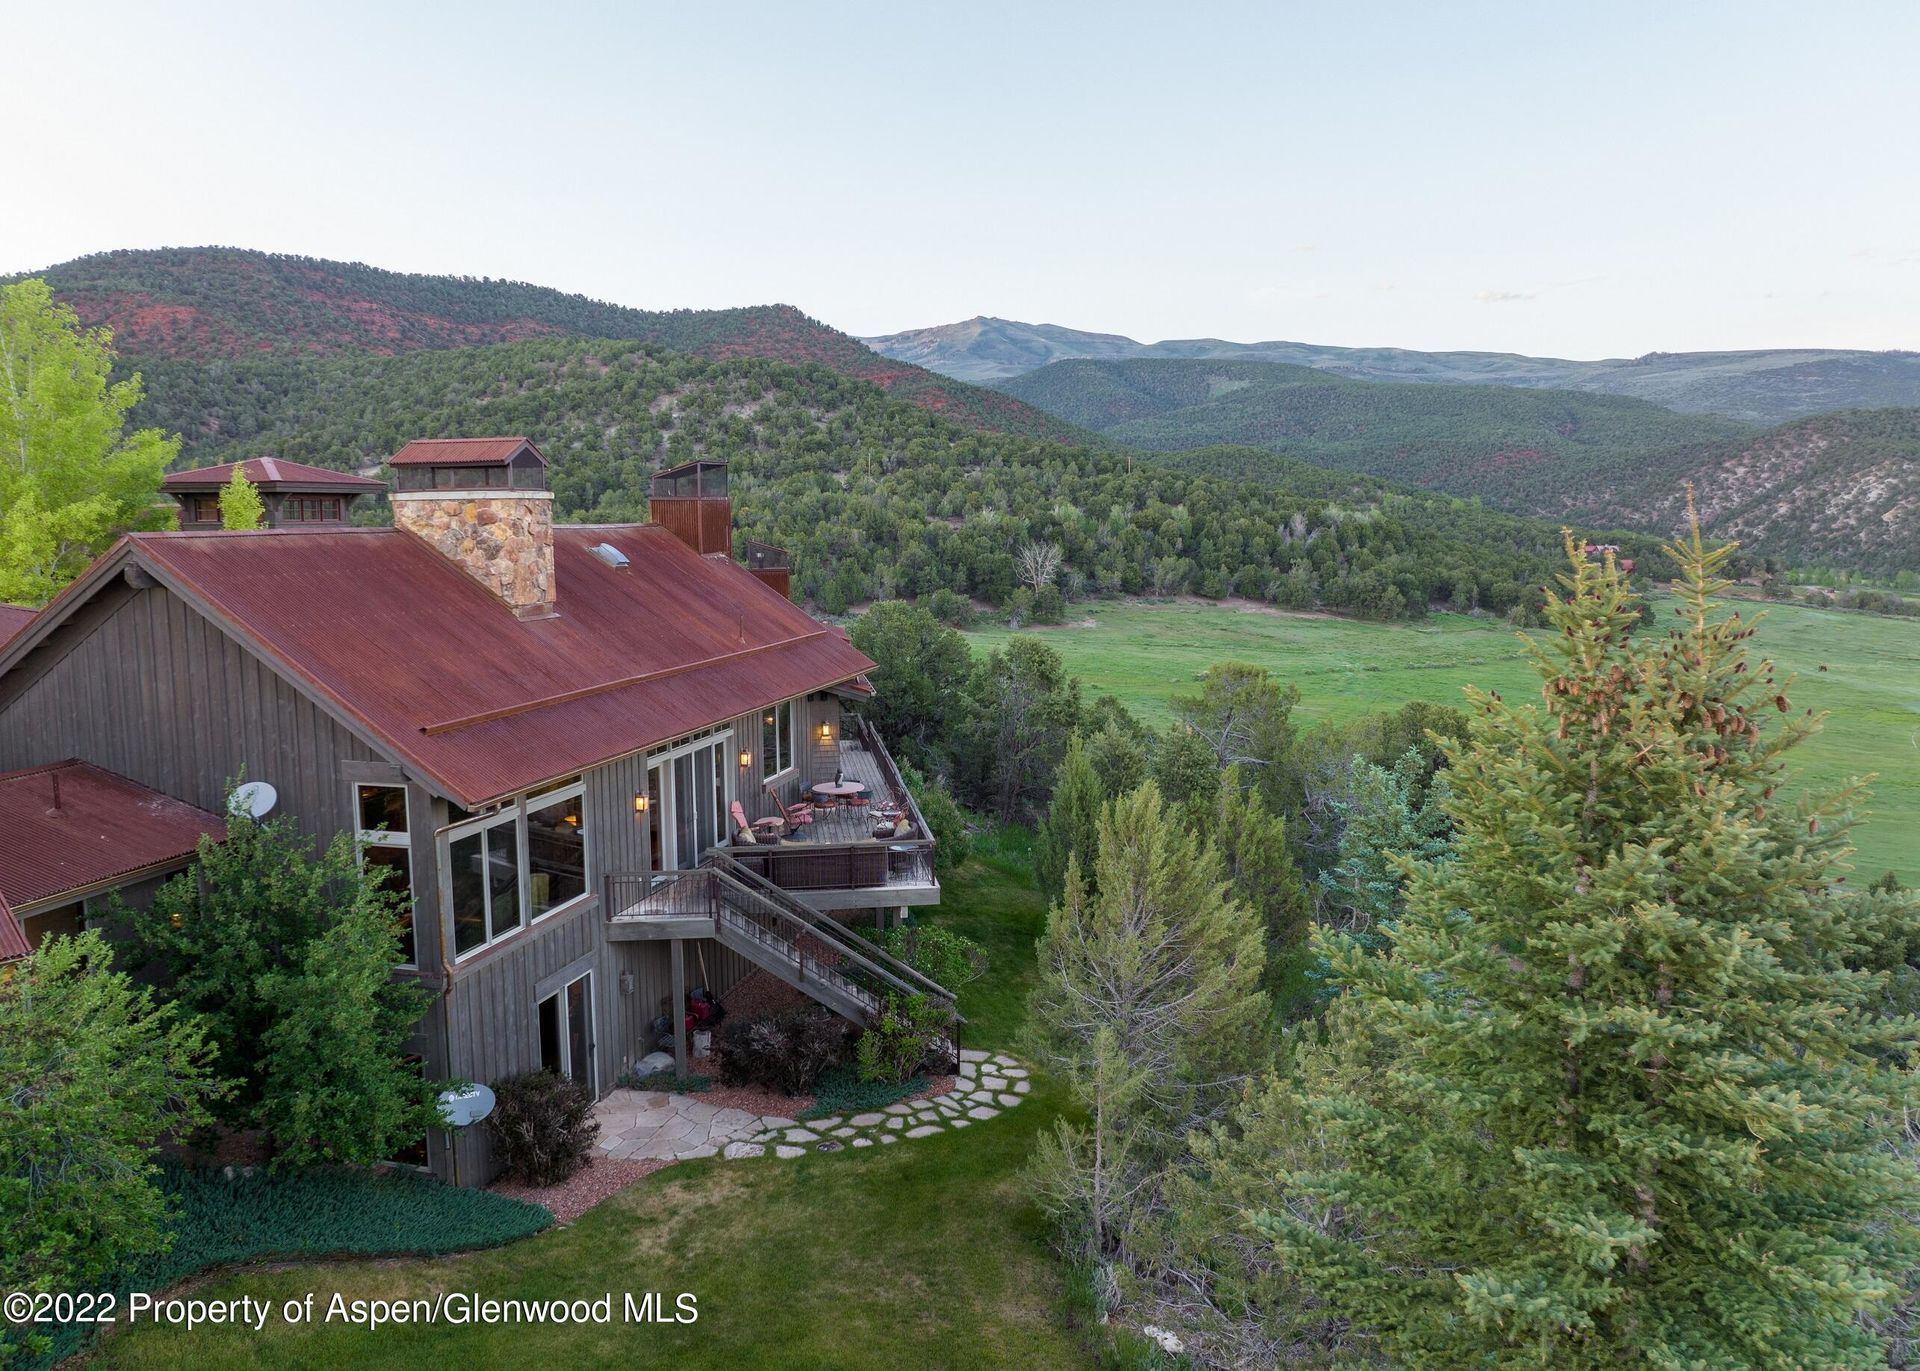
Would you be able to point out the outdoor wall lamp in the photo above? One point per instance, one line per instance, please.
(826, 733)
(639, 804)
(746, 759)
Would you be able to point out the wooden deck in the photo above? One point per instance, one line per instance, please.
(850, 823)
(835, 861)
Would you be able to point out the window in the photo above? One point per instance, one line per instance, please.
(382, 841)
(515, 865)
(556, 855)
(310, 509)
(201, 509)
(776, 741)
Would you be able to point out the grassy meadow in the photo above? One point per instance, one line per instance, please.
(1870, 690)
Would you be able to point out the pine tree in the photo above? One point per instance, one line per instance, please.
(1260, 870)
(1071, 827)
(1150, 1007)
(1642, 1097)
(240, 503)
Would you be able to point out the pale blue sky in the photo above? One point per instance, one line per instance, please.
(1595, 180)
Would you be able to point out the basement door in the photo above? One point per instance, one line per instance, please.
(566, 1030)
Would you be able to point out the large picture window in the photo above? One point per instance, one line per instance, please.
(776, 741)
(381, 837)
(515, 865)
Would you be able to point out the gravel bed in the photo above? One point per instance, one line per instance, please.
(600, 1179)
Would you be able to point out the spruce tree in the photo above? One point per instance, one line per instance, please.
(1642, 1094)
(1383, 827)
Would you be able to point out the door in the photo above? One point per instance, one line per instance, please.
(566, 1031)
(695, 785)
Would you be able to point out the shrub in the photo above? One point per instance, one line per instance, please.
(939, 953)
(841, 1091)
(543, 1125)
(910, 1037)
(666, 1080)
(952, 842)
(951, 608)
(787, 1052)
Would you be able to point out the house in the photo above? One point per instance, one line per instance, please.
(540, 729)
(291, 493)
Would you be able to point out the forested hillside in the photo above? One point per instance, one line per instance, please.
(1839, 490)
(212, 303)
(1516, 448)
(1764, 386)
(873, 496)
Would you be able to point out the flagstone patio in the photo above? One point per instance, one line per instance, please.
(642, 1124)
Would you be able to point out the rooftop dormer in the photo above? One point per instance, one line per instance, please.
(292, 494)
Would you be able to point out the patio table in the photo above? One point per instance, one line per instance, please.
(837, 790)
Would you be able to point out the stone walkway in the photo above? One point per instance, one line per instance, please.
(644, 1124)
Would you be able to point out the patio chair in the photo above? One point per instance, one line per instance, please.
(795, 814)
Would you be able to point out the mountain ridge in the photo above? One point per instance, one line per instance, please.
(1769, 385)
(207, 303)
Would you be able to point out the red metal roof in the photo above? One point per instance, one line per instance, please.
(13, 938)
(102, 826)
(466, 452)
(271, 473)
(486, 705)
(13, 618)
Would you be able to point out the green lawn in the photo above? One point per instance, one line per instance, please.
(925, 1255)
(1144, 653)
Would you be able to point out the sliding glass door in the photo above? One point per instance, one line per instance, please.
(695, 782)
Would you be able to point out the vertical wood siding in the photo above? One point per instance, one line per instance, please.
(150, 689)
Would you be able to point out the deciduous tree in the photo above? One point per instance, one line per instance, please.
(240, 503)
(72, 478)
(92, 1074)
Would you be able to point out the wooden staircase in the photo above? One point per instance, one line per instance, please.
(725, 901)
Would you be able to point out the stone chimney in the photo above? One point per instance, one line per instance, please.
(482, 503)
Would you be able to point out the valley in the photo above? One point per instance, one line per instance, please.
(1145, 653)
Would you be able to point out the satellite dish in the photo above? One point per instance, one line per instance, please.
(462, 1107)
(256, 798)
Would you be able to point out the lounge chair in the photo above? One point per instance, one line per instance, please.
(764, 830)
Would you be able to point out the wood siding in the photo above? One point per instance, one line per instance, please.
(141, 684)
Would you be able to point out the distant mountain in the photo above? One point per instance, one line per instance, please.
(204, 303)
(1516, 448)
(1761, 387)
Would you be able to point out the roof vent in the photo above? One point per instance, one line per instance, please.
(610, 554)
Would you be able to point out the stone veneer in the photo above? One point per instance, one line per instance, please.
(503, 539)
